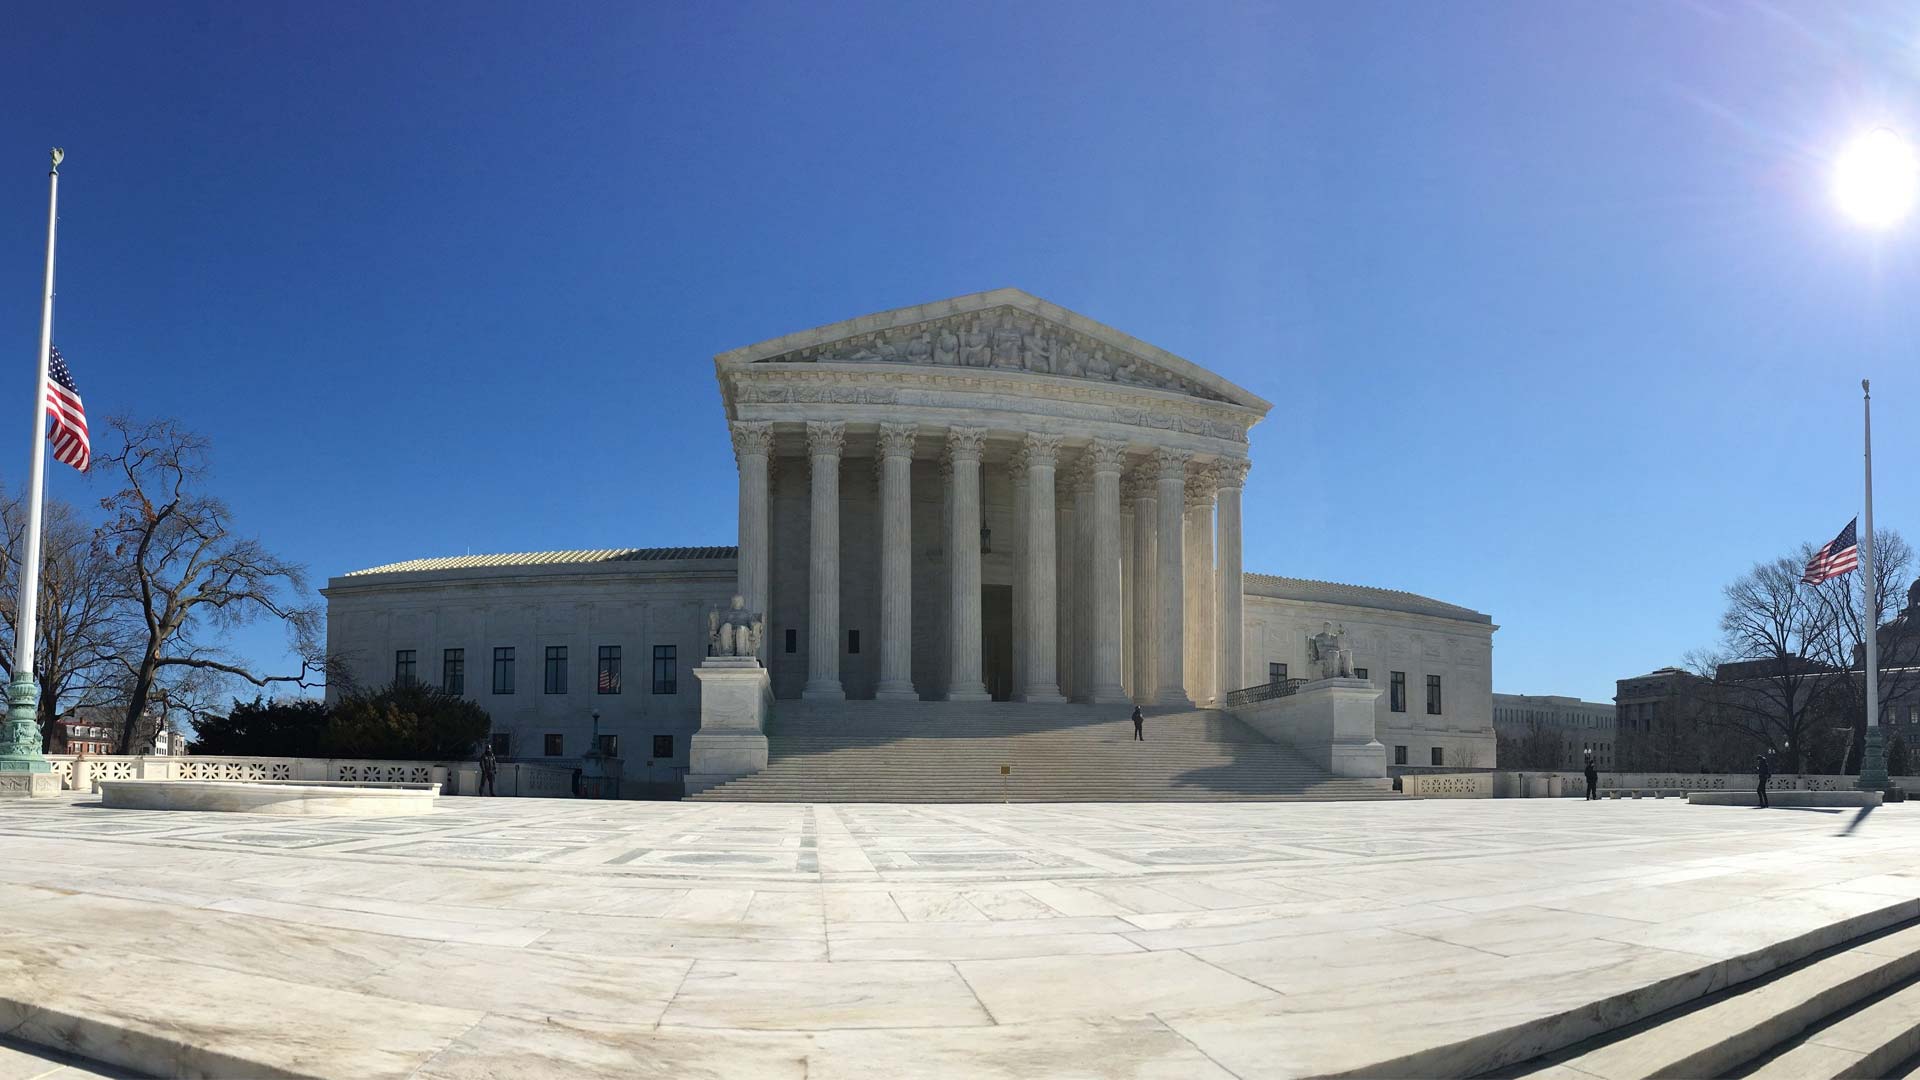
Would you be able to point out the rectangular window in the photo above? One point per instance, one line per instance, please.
(663, 747)
(793, 640)
(1276, 673)
(609, 669)
(503, 671)
(1399, 755)
(556, 669)
(555, 744)
(502, 742)
(403, 667)
(1359, 673)
(853, 642)
(1397, 691)
(665, 681)
(1438, 757)
(1433, 695)
(610, 745)
(453, 671)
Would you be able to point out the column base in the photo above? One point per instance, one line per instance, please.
(823, 692)
(895, 691)
(1174, 696)
(976, 692)
(1109, 695)
(1042, 695)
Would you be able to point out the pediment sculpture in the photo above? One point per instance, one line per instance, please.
(1003, 339)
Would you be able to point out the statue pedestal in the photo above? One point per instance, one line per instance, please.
(29, 785)
(736, 696)
(24, 773)
(1331, 723)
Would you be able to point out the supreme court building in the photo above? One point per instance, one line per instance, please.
(983, 499)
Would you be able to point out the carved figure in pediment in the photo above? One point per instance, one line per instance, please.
(1070, 360)
(946, 349)
(920, 349)
(973, 346)
(864, 351)
(1039, 346)
(1128, 372)
(1097, 365)
(1006, 344)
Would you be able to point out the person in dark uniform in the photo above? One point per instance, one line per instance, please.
(1593, 779)
(1766, 773)
(1139, 720)
(488, 767)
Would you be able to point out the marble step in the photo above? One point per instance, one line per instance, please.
(1722, 1034)
(1878, 1039)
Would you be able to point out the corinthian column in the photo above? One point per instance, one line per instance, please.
(752, 443)
(1231, 590)
(1041, 598)
(824, 441)
(1107, 459)
(1081, 478)
(1170, 474)
(963, 547)
(895, 448)
(1199, 584)
(1146, 571)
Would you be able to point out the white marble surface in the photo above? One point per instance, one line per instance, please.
(527, 937)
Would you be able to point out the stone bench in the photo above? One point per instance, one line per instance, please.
(1785, 798)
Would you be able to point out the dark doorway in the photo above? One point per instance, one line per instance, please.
(996, 640)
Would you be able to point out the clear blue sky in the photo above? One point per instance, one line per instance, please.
(1558, 318)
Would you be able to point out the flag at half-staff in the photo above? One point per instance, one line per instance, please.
(68, 415)
(1841, 555)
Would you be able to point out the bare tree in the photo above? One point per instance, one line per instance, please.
(1768, 681)
(82, 625)
(189, 577)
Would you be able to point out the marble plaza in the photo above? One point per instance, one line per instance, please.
(527, 937)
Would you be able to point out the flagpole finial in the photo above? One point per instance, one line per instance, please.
(1865, 389)
(59, 156)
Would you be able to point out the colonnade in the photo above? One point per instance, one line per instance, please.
(1157, 620)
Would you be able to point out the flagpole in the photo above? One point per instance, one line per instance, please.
(1873, 756)
(23, 770)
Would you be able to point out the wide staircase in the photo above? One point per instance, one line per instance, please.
(1851, 1010)
(953, 752)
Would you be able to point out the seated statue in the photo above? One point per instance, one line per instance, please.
(735, 631)
(1329, 650)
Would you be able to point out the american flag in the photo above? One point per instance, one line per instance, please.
(1840, 555)
(69, 417)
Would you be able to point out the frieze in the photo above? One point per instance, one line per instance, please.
(1003, 339)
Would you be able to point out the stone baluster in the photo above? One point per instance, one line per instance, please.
(1040, 601)
(895, 452)
(1170, 472)
(1199, 584)
(1231, 589)
(752, 446)
(1105, 462)
(963, 545)
(825, 439)
(1146, 527)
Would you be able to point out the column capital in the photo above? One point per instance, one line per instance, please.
(752, 437)
(1140, 484)
(1080, 476)
(1017, 468)
(1201, 487)
(1107, 455)
(1231, 472)
(826, 438)
(1041, 448)
(965, 443)
(896, 440)
(1170, 464)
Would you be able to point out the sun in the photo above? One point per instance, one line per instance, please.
(1877, 178)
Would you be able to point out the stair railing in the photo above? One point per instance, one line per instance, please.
(1265, 691)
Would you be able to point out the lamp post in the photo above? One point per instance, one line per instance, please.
(1876, 180)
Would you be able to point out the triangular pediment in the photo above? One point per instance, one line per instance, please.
(1006, 330)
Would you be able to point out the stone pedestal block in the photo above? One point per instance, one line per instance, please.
(29, 785)
(736, 696)
(1331, 723)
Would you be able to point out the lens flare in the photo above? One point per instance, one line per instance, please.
(1877, 178)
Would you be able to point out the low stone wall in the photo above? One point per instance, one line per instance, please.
(1615, 785)
(454, 778)
(1448, 785)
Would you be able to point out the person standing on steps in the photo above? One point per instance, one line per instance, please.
(488, 767)
(1593, 779)
(1766, 773)
(1139, 720)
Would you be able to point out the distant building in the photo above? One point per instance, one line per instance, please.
(1561, 731)
(90, 731)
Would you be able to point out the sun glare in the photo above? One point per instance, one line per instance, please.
(1877, 178)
